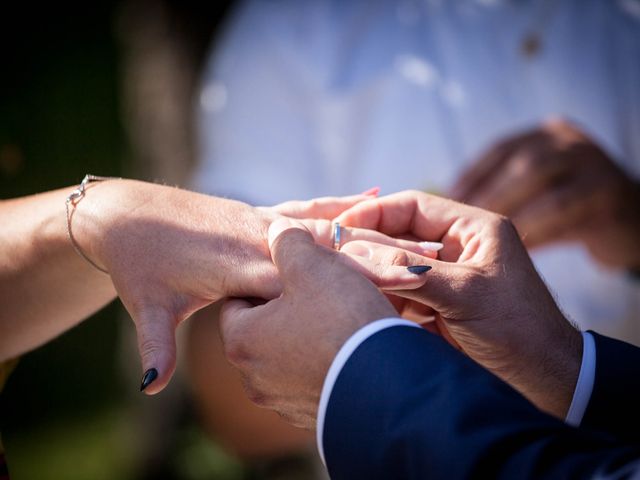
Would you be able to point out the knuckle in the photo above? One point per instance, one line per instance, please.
(312, 205)
(503, 227)
(286, 207)
(256, 396)
(419, 196)
(235, 351)
(503, 223)
(396, 257)
(527, 160)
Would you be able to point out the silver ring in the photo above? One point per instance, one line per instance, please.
(336, 236)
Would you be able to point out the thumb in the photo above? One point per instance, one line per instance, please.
(156, 329)
(293, 249)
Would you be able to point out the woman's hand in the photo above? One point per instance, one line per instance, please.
(171, 252)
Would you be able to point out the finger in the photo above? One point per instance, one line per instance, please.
(234, 315)
(553, 215)
(299, 259)
(397, 302)
(233, 312)
(521, 177)
(155, 327)
(427, 249)
(323, 233)
(419, 214)
(438, 288)
(388, 266)
(293, 250)
(325, 207)
(489, 162)
(418, 312)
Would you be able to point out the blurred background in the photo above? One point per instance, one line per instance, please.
(71, 74)
(270, 100)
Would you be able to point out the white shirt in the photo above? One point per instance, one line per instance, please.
(331, 97)
(581, 396)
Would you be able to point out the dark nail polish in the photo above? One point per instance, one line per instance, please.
(148, 378)
(419, 269)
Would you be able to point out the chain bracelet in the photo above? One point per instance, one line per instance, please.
(72, 200)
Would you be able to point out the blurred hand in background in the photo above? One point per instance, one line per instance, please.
(557, 184)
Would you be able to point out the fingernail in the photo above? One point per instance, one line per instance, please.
(431, 246)
(148, 378)
(419, 269)
(372, 192)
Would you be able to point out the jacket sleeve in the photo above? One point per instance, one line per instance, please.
(408, 406)
(614, 406)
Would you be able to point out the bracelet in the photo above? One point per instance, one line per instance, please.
(72, 201)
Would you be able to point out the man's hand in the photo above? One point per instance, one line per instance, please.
(484, 292)
(284, 348)
(557, 184)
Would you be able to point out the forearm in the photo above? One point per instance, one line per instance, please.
(45, 287)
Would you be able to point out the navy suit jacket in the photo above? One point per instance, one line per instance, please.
(407, 405)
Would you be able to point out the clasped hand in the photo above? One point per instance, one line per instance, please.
(483, 296)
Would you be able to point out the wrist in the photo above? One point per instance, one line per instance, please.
(90, 219)
(553, 370)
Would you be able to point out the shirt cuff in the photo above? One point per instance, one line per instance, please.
(584, 385)
(340, 360)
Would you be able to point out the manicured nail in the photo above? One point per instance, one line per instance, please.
(419, 269)
(432, 246)
(372, 192)
(148, 378)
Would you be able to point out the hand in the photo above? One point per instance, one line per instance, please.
(556, 184)
(284, 348)
(487, 298)
(171, 252)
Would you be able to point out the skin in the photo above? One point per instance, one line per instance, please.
(247, 431)
(483, 293)
(169, 253)
(557, 184)
(284, 348)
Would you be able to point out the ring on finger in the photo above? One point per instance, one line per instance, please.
(336, 236)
